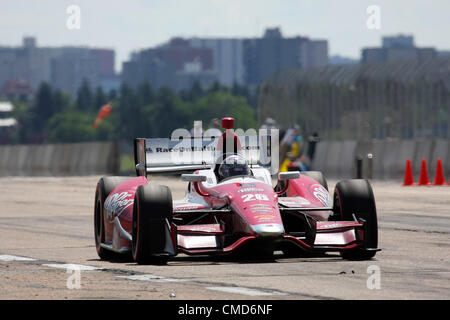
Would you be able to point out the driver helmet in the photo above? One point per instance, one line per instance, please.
(234, 165)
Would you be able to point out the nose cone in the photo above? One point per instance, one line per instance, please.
(268, 230)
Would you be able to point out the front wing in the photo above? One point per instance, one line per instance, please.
(324, 236)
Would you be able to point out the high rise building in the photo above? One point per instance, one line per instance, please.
(396, 48)
(228, 60)
(265, 56)
(176, 64)
(63, 67)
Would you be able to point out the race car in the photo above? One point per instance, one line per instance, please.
(231, 205)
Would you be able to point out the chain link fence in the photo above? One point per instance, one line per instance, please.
(400, 99)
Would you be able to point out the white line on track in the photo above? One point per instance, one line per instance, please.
(236, 290)
(152, 278)
(248, 291)
(72, 266)
(7, 257)
(148, 277)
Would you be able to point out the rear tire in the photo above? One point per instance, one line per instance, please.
(318, 176)
(104, 187)
(356, 197)
(151, 212)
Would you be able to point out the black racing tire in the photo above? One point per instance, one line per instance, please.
(104, 187)
(356, 197)
(318, 176)
(151, 212)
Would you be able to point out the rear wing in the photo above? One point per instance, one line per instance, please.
(158, 155)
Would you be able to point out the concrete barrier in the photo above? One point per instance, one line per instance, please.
(22, 154)
(407, 150)
(11, 162)
(441, 150)
(59, 159)
(332, 160)
(347, 160)
(423, 150)
(48, 152)
(37, 164)
(389, 160)
(338, 159)
(55, 161)
(5, 151)
(94, 156)
(320, 156)
(378, 151)
(75, 158)
(30, 157)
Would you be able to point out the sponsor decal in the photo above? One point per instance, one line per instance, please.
(246, 185)
(184, 208)
(331, 225)
(117, 203)
(251, 190)
(294, 201)
(179, 149)
(190, 149)
(321, 194)
(187, 206)
(260, 206)
(255, 196)
(204, 228)
(262, 211)
(265, 218)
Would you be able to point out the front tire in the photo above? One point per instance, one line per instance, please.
(151, 213)
(355, 197)
(104, 187)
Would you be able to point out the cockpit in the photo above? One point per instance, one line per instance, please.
(232, 165)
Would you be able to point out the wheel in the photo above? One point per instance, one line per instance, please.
(151, 212)
(318, 176)
(104, 187)
(356, 197)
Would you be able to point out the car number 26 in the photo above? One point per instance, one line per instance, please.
(256, 196)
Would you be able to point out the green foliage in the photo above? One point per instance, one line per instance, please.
(77, 126)
(85, 98)
(55, 117)
(72, 126)
(222, 103)
(100, 99)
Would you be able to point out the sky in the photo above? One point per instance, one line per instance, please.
(130, 25)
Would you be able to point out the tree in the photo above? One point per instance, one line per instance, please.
(194, 93)
(168, 113)
(85, 100)
(219, 104)
(128, 110)
(99, 99)
(71, 126)
(145, 93)
(43, 109)
(61, 101)
(44, 106)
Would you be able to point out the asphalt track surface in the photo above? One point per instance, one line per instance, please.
(46, 232)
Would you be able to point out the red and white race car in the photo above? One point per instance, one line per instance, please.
(230, 206)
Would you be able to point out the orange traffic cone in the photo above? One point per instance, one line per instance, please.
(439, 179)
(408, 179)
(423, 179)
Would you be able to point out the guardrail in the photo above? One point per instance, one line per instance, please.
(67, 159)
(378, 159)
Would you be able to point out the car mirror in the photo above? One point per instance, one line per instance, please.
(288, 175)
(193, 177)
